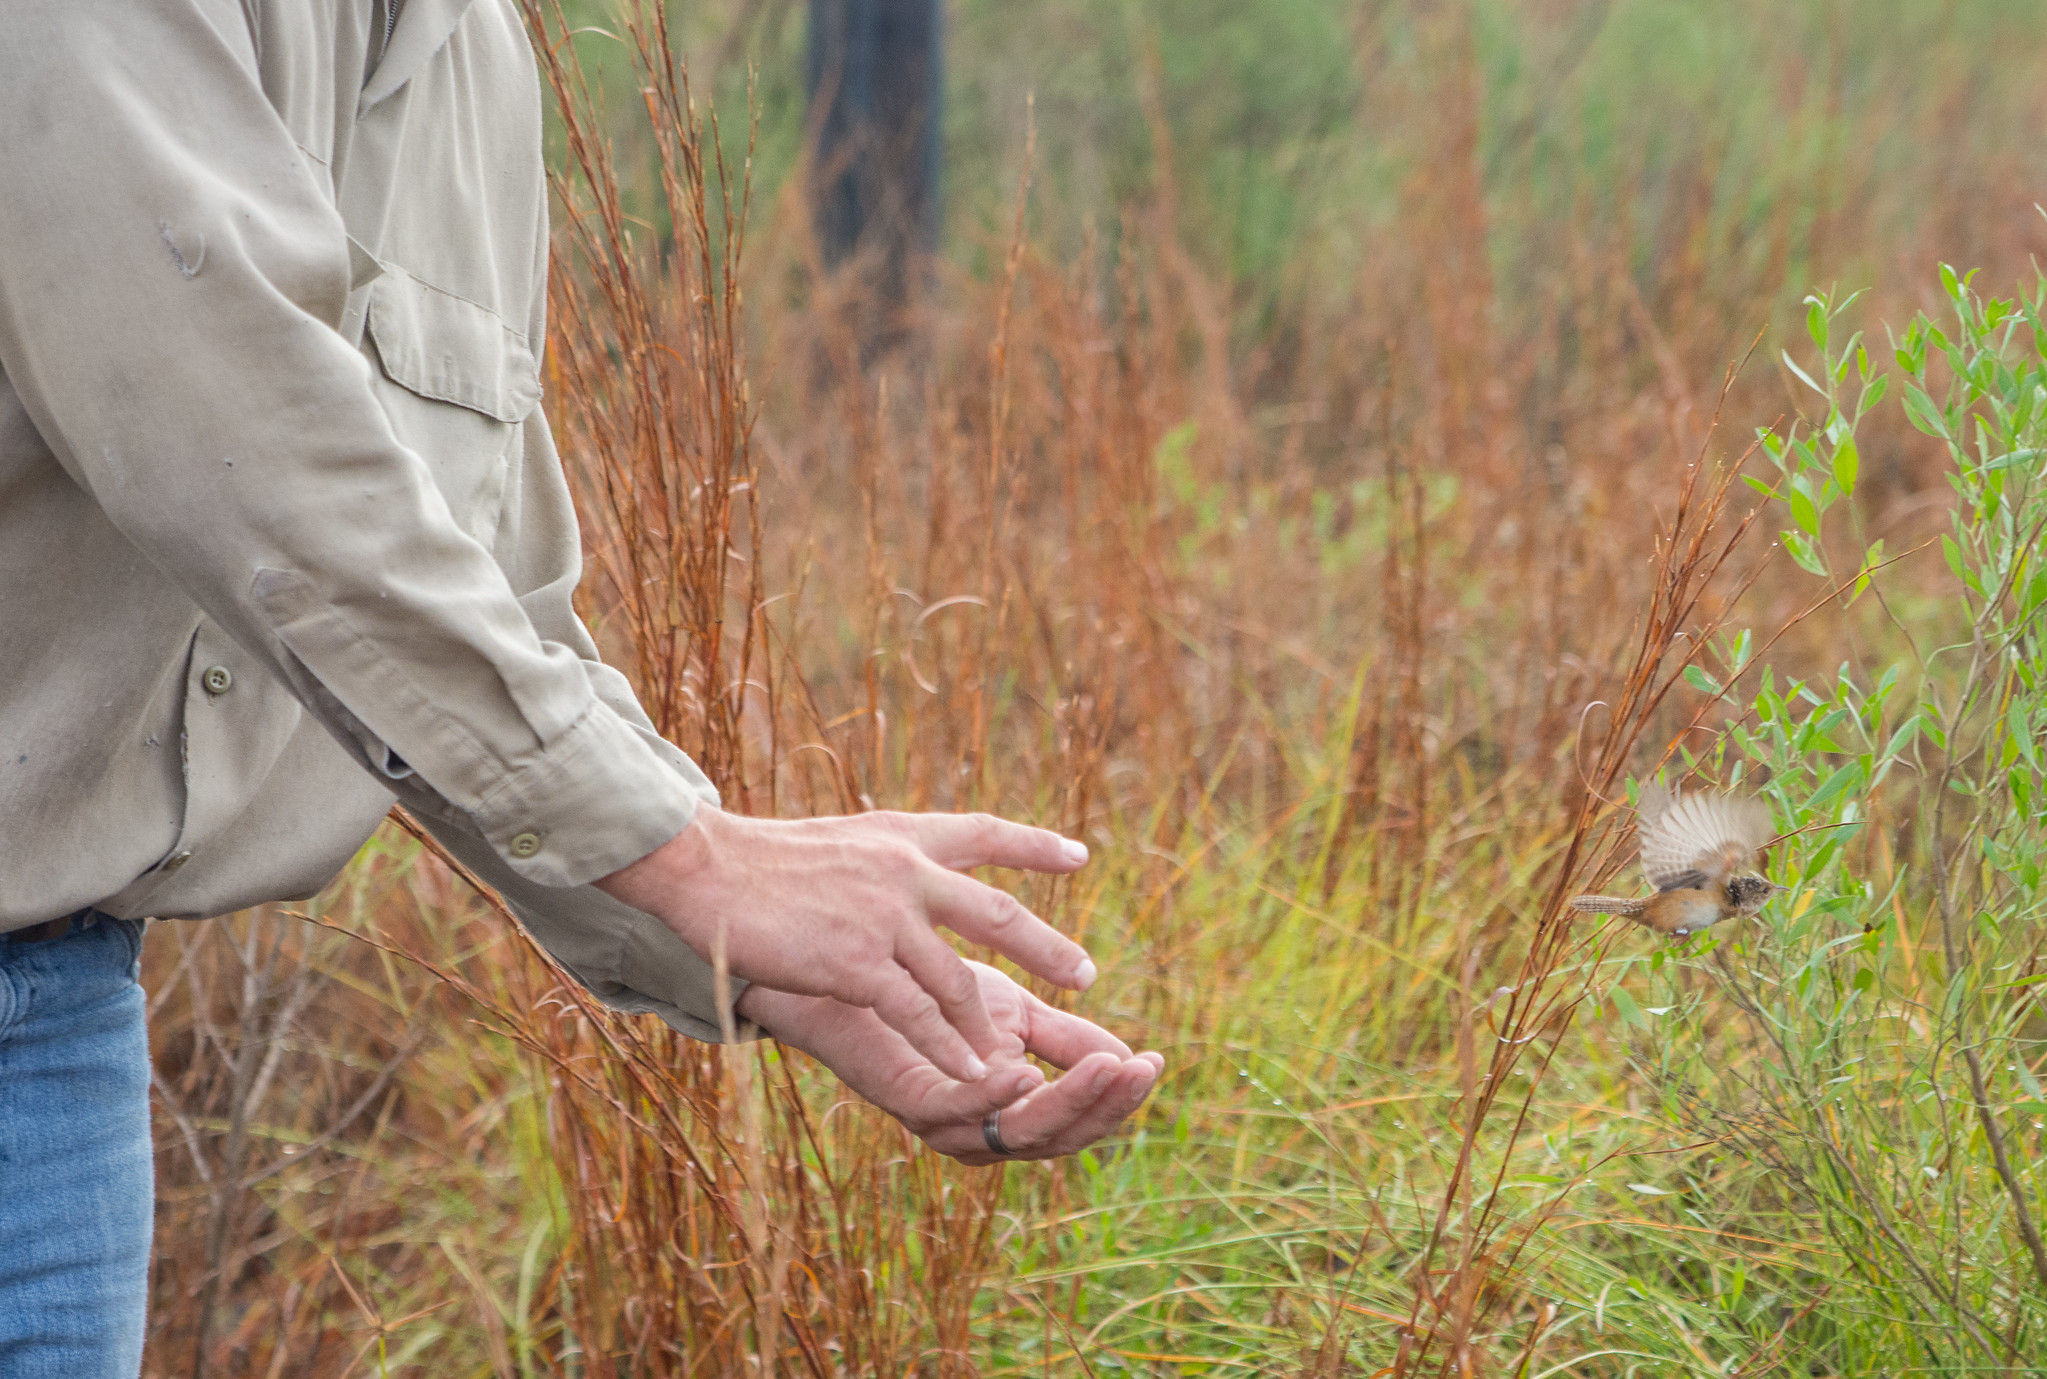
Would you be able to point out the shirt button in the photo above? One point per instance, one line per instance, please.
(218, 679)
(525, 845)
(176, 860)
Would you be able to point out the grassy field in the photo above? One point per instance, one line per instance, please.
(1318, 476)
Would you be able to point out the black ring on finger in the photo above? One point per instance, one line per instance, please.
(991, 1133)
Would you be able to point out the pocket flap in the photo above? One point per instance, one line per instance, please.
(447, 348)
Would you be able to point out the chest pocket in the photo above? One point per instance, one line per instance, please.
(444, 347)
(458, 380)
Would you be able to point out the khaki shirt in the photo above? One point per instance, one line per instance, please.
(283, 533)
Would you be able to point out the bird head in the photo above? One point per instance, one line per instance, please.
(1748, 893)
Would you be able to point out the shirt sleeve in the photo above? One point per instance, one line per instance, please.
(172, 276)
(628, 959)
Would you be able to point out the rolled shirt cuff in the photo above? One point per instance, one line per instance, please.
(599, 799)
(624, 957)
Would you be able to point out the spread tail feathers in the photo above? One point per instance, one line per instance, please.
(1608, 905)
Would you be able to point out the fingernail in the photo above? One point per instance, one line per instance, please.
(1084, 975)
(976, 1069)
(1022, 1083)
(1075, 850)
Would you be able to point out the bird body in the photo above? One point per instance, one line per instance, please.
(1671, 913)
(1692, 849)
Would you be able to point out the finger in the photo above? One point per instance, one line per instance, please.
(1045, 1126)
(912, 1012)
(1032, 1125)
(1117, 1098)
(1035, 1127)
(948, 980)
(960, 841)
(998, 919)
(966, 1103)
(1028, 1124)
(1062, 1038)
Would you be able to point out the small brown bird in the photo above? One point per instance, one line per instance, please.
(1692, 846)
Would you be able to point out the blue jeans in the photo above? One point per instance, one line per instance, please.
(76, 1174)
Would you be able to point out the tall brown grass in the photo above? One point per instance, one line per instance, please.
(1077, 554)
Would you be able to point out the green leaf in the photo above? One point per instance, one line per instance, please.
(1630, 1013)
(2027, 1079)
(1699, 680)
(2029, 748)
(1919, 407)
(1874, 393)
(1834, 785)
(1950, 548)
(1847, 464)
(1803, 510)
(1803, 376)
(2035, 595)
(1801, 550)
(1822, 855)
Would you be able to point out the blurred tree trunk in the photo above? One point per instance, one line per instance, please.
(876, 82)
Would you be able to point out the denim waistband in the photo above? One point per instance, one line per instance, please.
(71, 923)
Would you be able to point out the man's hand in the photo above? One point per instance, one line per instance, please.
(845, 908)
(1103, 1084)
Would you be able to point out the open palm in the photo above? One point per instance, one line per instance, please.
(1102, 1082)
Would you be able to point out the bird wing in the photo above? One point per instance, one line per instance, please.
(1697, 841)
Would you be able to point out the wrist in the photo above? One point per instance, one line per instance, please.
(784, 1016)
(655, 882)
